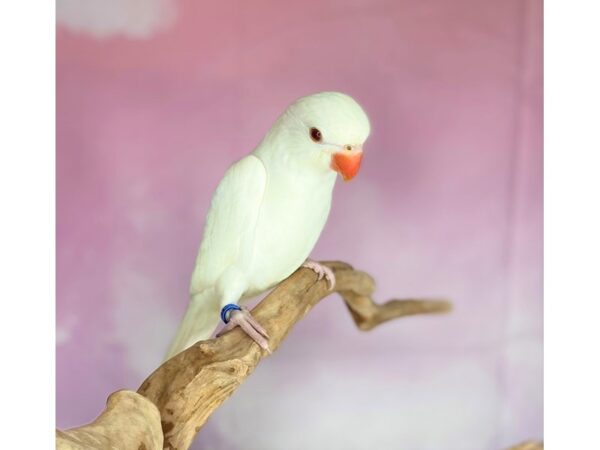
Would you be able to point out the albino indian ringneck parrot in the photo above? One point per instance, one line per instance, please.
(268, 212)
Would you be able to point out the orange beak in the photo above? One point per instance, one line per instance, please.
(347, 162)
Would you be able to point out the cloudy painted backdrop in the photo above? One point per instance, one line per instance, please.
(157, 98)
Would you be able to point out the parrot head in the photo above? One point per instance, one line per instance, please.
(324, 131)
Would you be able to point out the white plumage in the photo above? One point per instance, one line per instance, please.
(270, 208)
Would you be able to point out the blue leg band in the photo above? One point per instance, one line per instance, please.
(226, 309)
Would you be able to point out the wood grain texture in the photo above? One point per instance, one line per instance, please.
(130, 421)
(175, 401)
(191, 385)
(531, 445)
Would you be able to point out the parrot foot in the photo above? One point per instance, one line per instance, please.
(251, 327)
(321, 271)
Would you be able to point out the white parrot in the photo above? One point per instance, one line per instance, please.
(268, 212)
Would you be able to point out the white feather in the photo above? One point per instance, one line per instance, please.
(268, 211)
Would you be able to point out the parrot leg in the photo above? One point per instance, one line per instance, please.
(321, 271)
(251, 327)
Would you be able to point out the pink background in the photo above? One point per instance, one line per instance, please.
(157, 98)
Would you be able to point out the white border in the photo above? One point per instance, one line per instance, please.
(572, 224)
(27, 279)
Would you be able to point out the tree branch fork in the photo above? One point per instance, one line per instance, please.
(175, 401)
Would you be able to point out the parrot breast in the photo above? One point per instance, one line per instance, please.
(292, 216)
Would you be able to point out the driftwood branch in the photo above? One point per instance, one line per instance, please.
(531, 445)
(190, 386)
(130, 421)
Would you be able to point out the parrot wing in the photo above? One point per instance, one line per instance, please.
(229, 232)
(228, 241)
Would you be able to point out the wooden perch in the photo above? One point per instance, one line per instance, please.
(191, 385)
(531, 445)
(130, 421)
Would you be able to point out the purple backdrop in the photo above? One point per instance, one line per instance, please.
(157, 98)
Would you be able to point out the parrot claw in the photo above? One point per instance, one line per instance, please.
(321, 271)
(249, 325)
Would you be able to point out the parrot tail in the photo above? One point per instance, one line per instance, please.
(200, 320)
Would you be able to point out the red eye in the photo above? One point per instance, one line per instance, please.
(315, 135)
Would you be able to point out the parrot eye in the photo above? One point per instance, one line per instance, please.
(315, 135)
